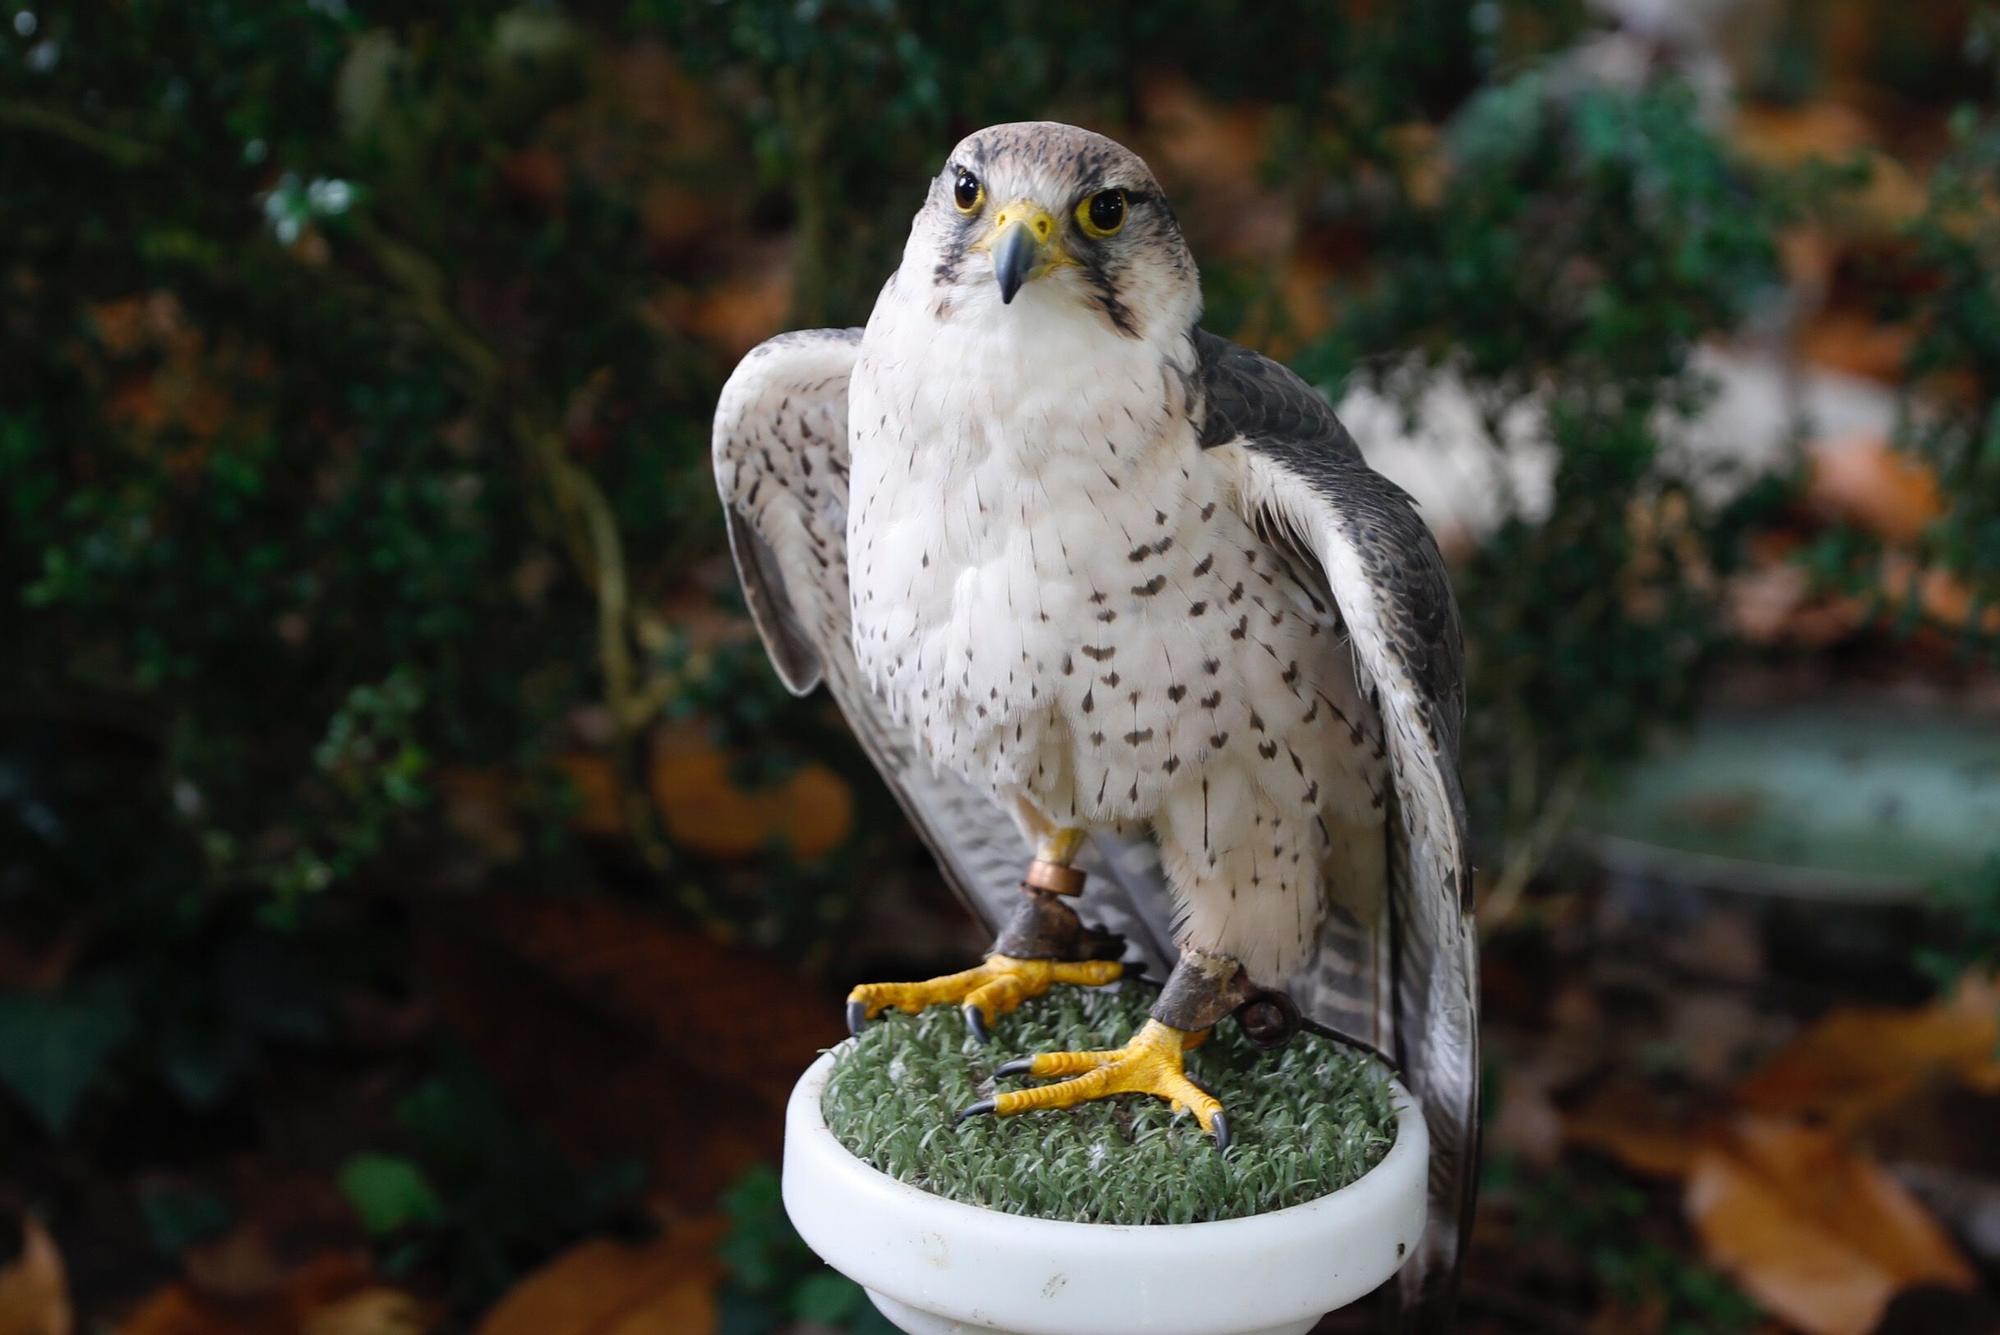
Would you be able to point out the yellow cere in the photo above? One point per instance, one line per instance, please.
(1038, 220)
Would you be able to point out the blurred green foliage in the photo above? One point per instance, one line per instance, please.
(847, 96)
(474, 1193)
(772, 1277)
(1955, 362)
(1939, 281)
(1608, 1221)
(308, 445)
(1585, 238)
(1970, 906)
(255, 499)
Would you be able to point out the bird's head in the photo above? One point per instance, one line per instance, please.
(1050, 217)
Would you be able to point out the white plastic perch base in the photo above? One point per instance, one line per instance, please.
(937, 1267)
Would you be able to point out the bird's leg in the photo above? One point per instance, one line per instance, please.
(1042, 944)
(1202, 989)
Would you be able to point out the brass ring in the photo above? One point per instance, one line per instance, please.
(1055, 877)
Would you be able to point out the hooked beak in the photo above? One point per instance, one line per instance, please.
(1022, 246)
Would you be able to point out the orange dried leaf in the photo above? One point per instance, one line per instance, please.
(1942, 595)
(1625, 1120)
(1857, 344)
(1854, 1064)
(239, 1266)
(811, 811)
(1787, 136)
(34, 1290)
(326, 1282)
(748, 305)
(174, 1310)
(369, 1312)
(1775, 602)
(595, 780)
(1866, 482)
(1816, 1233)
(611, 1288)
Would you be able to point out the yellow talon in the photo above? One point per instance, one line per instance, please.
(988, 990)
(1151, 1063)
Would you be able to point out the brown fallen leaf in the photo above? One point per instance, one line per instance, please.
(1858, 344)
(1222, 145)
(240, 1266)
(1865, 481)
(1304, 291)
(1832, 131)
(480, 808)
(324, 1283)
(1856, 1064)
(129, 325)
(602, 1287)
(675, 217)
(1979, 994)
(811, 811)
(1778, 602)
(537, 176)
(748, 304)
(1785, 136)
(1942, 595)
(175, 1310)
(1626, 1120)
(594, 778)
(34, 1290)
(369, 1312)
(1816, 1233)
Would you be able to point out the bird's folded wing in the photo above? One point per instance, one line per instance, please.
(780, 453)
(1305, 487)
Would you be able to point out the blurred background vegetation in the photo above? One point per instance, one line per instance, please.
(416, 892)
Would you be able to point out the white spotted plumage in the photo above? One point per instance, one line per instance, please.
(1070, 560)
(1053, 588)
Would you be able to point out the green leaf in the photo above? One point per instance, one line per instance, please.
(828, 1298)
(201, 1057)
(389, 1193)
(54, 1048)
(179, 1217)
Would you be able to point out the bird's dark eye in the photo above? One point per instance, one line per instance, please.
(1102, 214)
(966, 192)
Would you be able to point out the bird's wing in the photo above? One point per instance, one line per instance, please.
(1305, 487)
(780, 453)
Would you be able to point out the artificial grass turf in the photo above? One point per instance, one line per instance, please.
(1305, 1120)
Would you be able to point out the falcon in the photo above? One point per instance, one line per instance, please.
(1105, 594)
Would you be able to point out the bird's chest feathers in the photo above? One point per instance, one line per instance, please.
(1027, 534)
(993, 458)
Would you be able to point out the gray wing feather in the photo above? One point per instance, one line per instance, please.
(1306, 486)
(785, 640)
(780, 455)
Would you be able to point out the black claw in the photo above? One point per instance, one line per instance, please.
(976, 1022)
(857, 1017)
(973, 1110)
(1017, 1066)
(1219, 1124)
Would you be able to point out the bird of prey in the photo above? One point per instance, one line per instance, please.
(1098, 589)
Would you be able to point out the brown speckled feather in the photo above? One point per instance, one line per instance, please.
(1306, 482)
